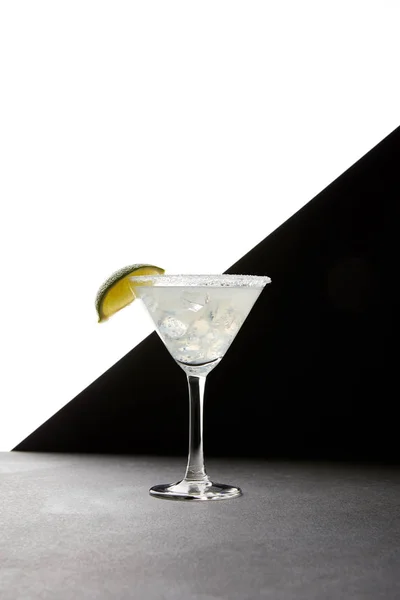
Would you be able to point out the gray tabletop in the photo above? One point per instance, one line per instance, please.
(76, 526)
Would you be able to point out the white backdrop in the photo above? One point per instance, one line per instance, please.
(176, 133)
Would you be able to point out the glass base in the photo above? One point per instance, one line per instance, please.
(194, 490)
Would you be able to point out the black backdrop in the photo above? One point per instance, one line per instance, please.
(312, 374)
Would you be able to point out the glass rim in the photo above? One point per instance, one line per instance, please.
(224, 280)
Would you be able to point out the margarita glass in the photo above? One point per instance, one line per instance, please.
(197, 317)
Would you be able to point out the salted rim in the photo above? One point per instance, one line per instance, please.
(256, 281)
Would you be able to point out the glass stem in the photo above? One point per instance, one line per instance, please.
(195, 470)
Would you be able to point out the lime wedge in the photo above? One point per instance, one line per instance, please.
(117, 291)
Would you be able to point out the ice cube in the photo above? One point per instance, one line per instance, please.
(192, 339)
(194, 300)
(172, 328)
(234, 327)
(210, 337)
(222, 315)
(150, 302)
(199, 328)
(190, 353)
(218, 347)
